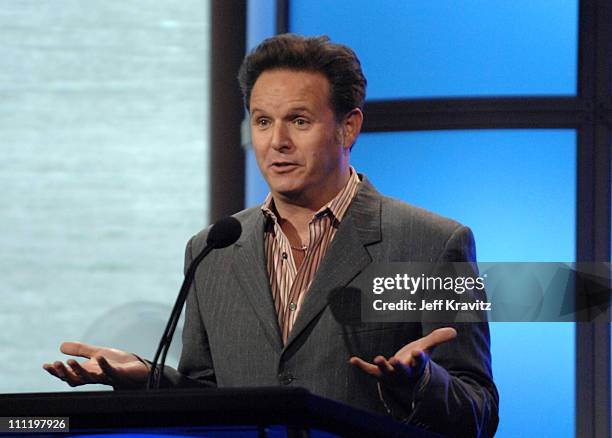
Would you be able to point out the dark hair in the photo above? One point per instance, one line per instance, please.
(338, 63)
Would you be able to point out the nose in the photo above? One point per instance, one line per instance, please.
(280, 137)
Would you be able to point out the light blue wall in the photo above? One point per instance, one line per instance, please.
(103, 133)
(495, 181)
(447, 48)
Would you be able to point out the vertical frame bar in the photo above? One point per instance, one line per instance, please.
(282, 16)
(593, 214)
(228, 23)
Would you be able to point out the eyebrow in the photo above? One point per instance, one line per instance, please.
(300, 109)
(291, 111)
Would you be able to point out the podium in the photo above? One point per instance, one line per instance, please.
(222, 412)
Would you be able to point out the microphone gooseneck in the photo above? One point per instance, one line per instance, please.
(222, 234)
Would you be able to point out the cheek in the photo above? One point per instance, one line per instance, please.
(258, 148)
(260, 158)
(327, 154)
(322, 148)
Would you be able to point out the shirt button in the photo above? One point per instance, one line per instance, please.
(284, 255)
(292, 306)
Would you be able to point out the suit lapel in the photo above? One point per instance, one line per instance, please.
(346, 257)
(249, 266)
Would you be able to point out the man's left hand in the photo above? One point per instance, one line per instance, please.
(407, 365)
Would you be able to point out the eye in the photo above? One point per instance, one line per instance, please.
(262, 122)
(300, 122)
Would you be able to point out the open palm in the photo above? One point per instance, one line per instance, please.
(107, 366)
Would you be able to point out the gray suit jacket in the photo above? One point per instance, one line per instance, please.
(231, 336)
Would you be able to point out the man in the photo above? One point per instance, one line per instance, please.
(281, 306)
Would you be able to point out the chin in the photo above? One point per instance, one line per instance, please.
(289, 192)
(284, 186)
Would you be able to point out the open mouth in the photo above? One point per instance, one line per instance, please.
(283, 166)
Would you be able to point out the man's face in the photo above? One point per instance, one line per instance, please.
(297, 142)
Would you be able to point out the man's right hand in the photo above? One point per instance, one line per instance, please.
(107, 366)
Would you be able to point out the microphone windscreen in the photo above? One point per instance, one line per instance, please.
(224, 232)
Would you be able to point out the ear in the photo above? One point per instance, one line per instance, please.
(351, 126)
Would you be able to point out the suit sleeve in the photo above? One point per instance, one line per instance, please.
(456, 395)
(195, 366)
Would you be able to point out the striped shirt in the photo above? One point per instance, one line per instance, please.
(289, 285)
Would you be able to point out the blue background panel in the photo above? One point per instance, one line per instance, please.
(447, 48)
(516, 189)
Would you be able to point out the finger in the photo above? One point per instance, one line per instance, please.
(395, 362)
(49, 368)
(420, 360)
(367, 367)
(383, 365)
(79, 349)
(393, 373)
(406, 361)
(66, 375)
(414, 366)
(402, 372)
(110, 373)
(437, 337)
(59, 369)
(86, 376)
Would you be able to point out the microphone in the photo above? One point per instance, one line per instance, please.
(222, 234)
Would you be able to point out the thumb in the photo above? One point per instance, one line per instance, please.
(437, 337)
(79, 349)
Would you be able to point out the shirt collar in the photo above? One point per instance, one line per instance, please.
(337, 206)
